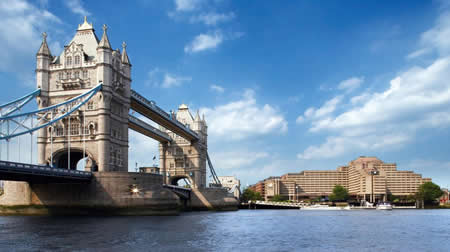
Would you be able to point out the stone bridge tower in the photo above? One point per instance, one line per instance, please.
(99, 130)
(183, 159)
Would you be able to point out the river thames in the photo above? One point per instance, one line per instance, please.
(244, 230)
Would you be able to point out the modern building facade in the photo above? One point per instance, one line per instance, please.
(365, 178)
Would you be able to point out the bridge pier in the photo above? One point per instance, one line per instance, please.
(107, 193)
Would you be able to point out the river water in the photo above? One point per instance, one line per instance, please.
(244, 230)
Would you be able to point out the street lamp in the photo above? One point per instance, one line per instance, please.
(372, 173)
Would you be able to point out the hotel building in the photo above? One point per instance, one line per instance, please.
(365, 178)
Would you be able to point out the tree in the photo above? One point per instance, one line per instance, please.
(249, 194)
(429, 192)
(277, 198)
(339, 194)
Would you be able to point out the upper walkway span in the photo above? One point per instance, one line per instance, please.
(150, 110)
(148, 130)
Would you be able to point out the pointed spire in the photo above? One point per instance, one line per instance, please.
(85, 25)
(197, 116)
(44, 50)
(125, 59)
(104, 42)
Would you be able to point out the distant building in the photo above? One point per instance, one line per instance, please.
(151, 169)
(365, 178)
(444, 199)
(232, 183)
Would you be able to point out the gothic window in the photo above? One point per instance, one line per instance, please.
(85, 75)
(179, 164)
(119, 157)
(60, 75)
(112, 155)
(90, 105)
(74, 129)
(171, 165)
(68, 61)
(59, 131)
(77, 60)
(77, 75)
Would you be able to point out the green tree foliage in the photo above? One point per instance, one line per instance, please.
(339, 194)
(277, 198)
(429, 192)
(249, 194)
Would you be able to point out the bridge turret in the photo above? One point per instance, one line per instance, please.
(43, 60)
(99, 129)
(104, 59)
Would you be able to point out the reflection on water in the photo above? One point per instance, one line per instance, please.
(248, 230)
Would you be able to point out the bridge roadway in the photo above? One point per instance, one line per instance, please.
(41, 173)
(15, 171)
(150, 110)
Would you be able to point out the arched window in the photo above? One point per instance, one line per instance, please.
(77, 60)
(77, 75)
(68, 60)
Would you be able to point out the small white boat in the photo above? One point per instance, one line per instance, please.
(384, 206)
(324, 207)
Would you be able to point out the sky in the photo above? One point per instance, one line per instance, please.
(285, 86)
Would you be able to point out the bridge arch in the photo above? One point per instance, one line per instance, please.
(61, 158)
(174, 180)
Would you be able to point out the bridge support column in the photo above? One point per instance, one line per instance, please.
(163, 163)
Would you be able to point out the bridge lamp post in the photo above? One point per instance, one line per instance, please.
(372, 173)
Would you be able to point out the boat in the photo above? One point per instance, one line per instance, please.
(324, 207)
(384, 206)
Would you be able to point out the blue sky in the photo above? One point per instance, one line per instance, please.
(285, 85)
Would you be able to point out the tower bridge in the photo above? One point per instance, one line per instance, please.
(84, 99)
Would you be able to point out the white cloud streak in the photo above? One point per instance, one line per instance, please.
(204, 42)
(76, 6)
(164, 79)
(212, 18)
(21, 25)
(217, 88)
(416, 99)
(351, 84)
(244, 118)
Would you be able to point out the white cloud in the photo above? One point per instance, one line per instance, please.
(236, 159)
(187, 5)
(416, 99)
(217, 88)
(21, 25)
(204, 42)
(244, 118)
(327, 108)
(76, 6)
(174, 81)
(351, 84)
(164, 79)
(212, 18)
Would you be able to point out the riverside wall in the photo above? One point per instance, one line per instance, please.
(212, 199)
(109, 193)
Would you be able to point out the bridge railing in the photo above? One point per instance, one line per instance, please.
(152, 105)
(42, 169)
